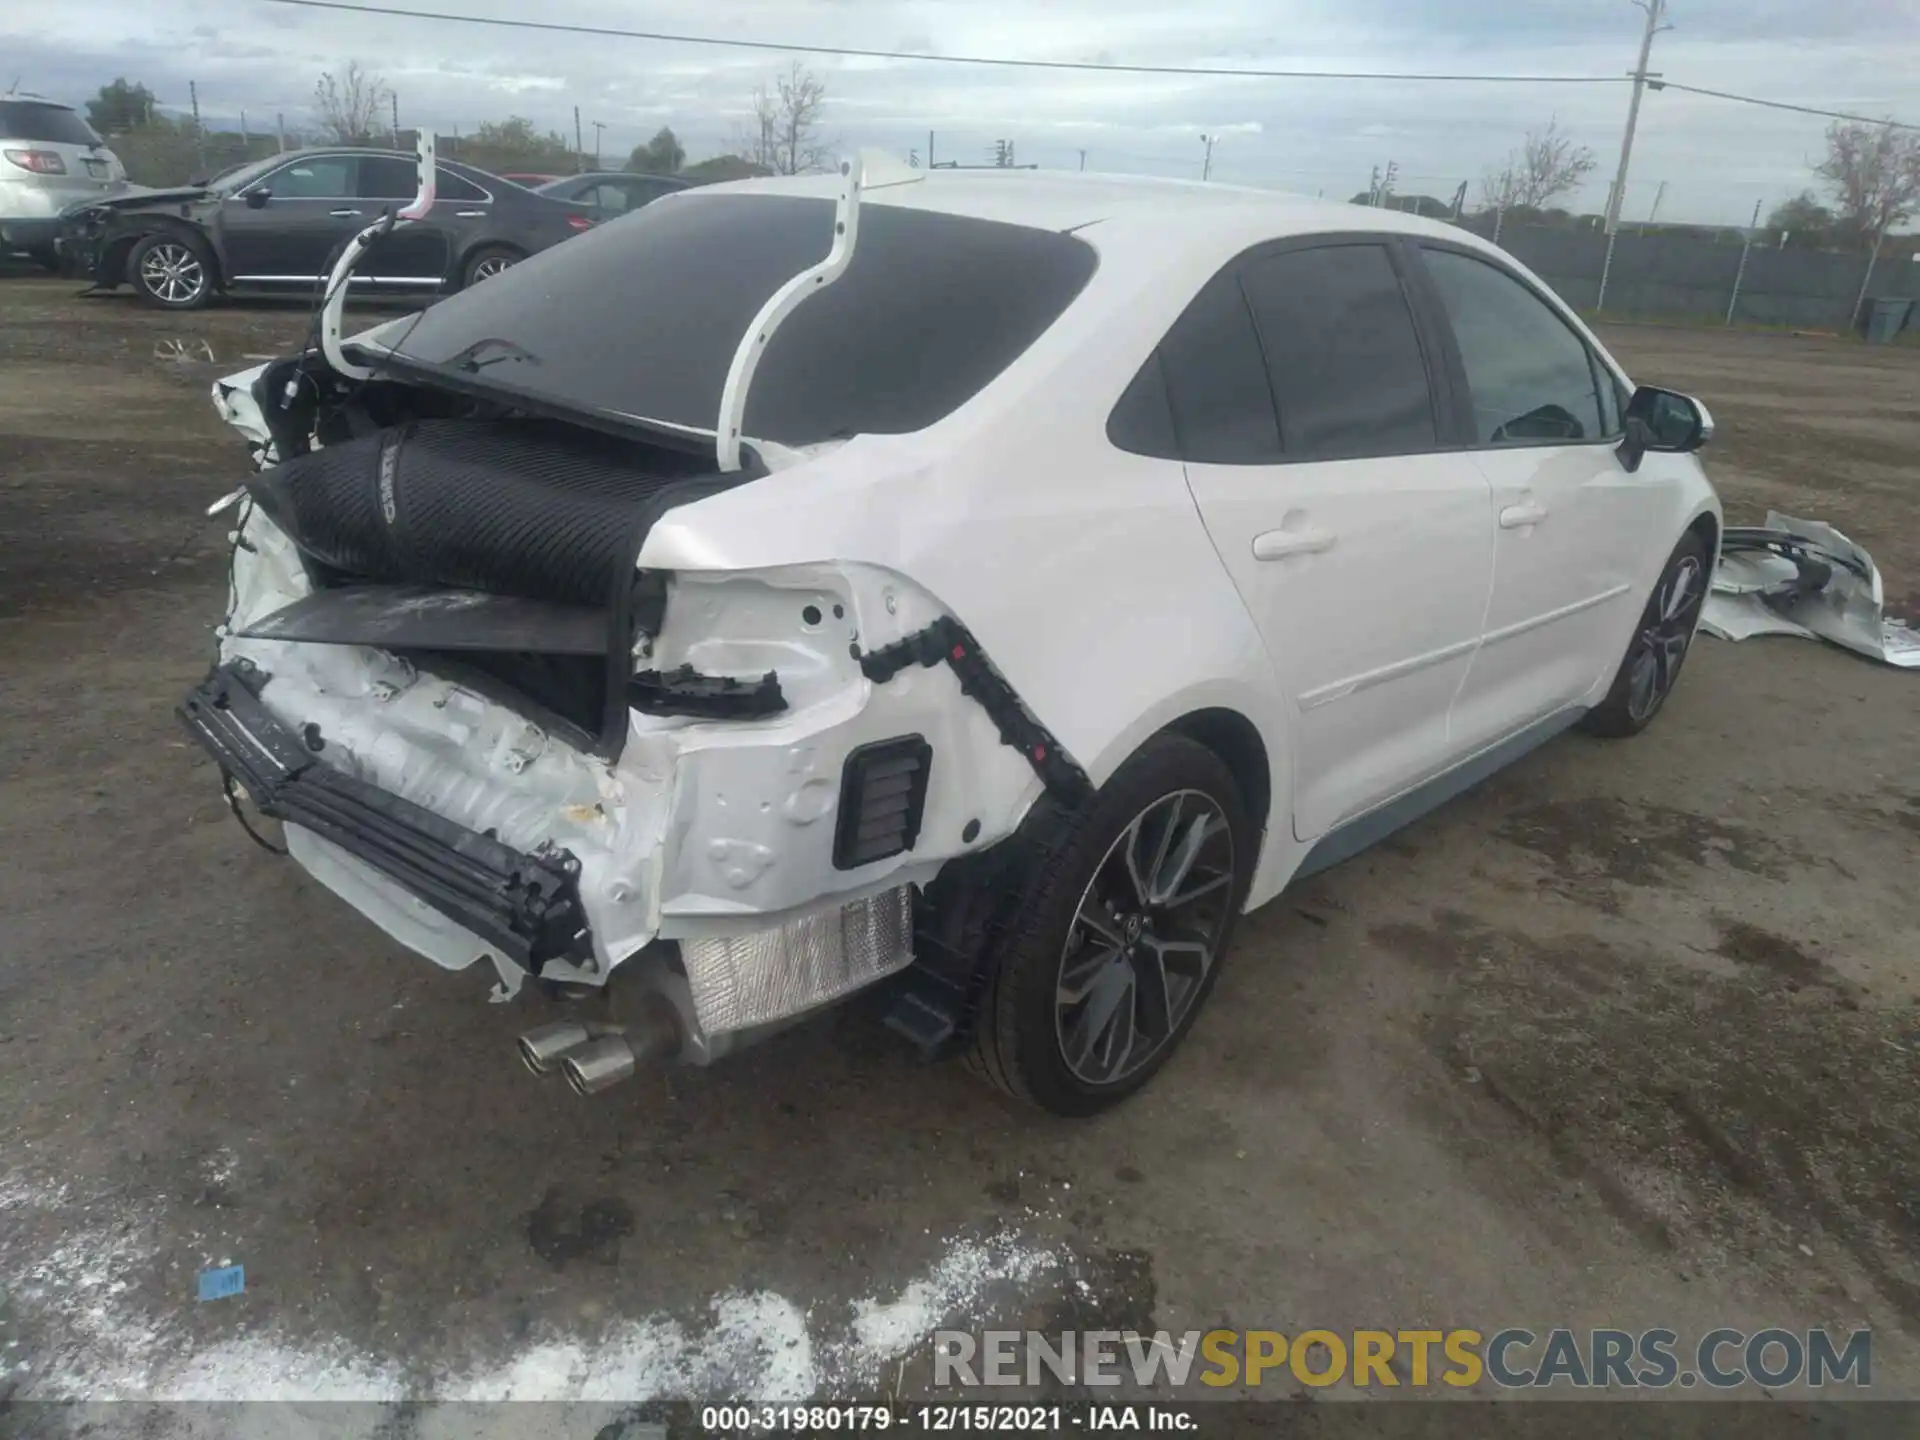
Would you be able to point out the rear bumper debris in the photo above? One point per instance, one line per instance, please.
(526, 905)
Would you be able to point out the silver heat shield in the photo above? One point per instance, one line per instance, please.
(744, 980)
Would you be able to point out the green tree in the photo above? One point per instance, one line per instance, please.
(662, 155)
(120, 106)
(1803, 219)
(514, 144)
(723, 167)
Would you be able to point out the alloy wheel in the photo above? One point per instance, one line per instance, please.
(1145, 936)
(173, 273)
(491, 266)
(1661, 645)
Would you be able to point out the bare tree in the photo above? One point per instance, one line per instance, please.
(1873, 172)
(784, 134)
(1546, 167)
(352, 106)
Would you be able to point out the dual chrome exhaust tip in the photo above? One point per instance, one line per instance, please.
(593, 1056)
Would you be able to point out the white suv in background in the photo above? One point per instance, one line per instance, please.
(49, 158)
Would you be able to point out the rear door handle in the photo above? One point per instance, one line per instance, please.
(1518, 517)
(1278, 544)
(343, 213)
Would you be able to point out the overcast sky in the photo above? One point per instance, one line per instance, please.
(1716, 158)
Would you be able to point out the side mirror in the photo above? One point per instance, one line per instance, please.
(257, 199)
(1662, 422)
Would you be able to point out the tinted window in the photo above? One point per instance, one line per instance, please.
(643, 317)
(325, 177)
(53, 124)
(449, 186)
(1217, 381)
(1143, 422)
(388, 177)
(642, 192)
(605, 197)
(1342, 353)
(1531, 377)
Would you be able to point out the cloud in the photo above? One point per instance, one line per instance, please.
(1717, 159)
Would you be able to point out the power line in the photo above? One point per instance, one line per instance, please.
(1089, 65)
(1779, 105)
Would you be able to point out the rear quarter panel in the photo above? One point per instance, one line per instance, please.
(1084, 571)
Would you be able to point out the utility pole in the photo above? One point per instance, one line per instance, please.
(579, 145)
(1083, 159)
(1387, 183)
(1867, 279)
(597, 128)
(280, 125)
(930, 149)
(1655, 9)
(1741, 273)
(394, 96)
(1206, 169)
(199, 135)
(1658, 196)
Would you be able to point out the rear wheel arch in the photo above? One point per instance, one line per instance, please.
(1236, 740)
(463, 267)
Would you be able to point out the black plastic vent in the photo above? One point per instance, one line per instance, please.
(883, 792)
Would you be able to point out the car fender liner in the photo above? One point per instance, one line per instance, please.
(526, 905)
(947, 642)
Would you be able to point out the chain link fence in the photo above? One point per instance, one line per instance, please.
(1732, 276)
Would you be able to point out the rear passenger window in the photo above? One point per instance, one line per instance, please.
(449, 186)
(1217, 382)
(1532, 380)
(1342, 352)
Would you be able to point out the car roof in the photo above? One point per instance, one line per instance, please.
(673, 180)
(1118, 213)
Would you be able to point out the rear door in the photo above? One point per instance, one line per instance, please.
(1319, 437)
(1572, 525)
(419, 253)
(312, 205)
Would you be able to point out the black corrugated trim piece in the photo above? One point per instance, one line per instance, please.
(855, 839)
(526, 905)
(686, 691)
(947, 642)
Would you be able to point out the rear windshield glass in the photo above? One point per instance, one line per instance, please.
(641, 315)
(54, 124)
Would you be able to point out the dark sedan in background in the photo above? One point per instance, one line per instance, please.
(274, 226)
(608, 193)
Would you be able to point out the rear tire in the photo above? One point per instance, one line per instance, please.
(1659, 646)
(487, 262)
(1119, 936)
(172, 271)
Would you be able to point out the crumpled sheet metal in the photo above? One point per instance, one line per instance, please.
(1756, 592)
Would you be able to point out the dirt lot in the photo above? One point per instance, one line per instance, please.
(1630, 1036)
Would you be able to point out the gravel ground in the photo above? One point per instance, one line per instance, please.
(1628, 1036)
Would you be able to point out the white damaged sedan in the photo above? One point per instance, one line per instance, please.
(984, 587)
